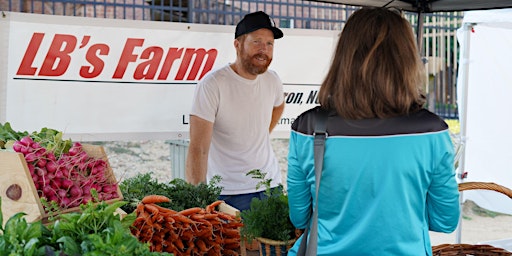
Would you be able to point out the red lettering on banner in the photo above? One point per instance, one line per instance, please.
(148, 69)
(172, 55)
(127, 56)
(97, 64)
(199, 55)
(30, 54)
(153, 62)
(58, 59)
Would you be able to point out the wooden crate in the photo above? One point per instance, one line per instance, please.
(14, 174)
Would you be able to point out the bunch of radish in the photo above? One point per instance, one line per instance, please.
(69, 178)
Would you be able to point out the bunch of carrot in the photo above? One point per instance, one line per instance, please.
(193, 231)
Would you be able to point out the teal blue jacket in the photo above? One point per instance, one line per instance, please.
(385, 183)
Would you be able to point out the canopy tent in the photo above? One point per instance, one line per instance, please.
(484, 89)
(429, 6)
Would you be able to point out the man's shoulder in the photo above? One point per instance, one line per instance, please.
(215, 74)
(272, 77)
(272, 72)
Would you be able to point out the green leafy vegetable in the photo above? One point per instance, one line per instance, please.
(183, 195)
(96, 230)
(267, 217)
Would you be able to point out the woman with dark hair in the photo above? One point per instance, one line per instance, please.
(388, 174)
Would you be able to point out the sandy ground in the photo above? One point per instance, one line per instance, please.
(129, 158)
(485, 228)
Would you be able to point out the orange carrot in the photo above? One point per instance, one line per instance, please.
(229, 252)
(155, 199)
(164, 210)
(201, 245)
(151, 209)
(211, 207)
(190, 211)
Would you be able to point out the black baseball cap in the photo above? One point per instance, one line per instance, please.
(254, 21)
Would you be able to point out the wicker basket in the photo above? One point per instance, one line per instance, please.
(270, 247)
(469, 249)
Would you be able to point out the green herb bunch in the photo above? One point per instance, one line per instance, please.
(139, 186)
(267, 217)
(183, 195)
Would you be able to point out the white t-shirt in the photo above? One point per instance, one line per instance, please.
(240, 110)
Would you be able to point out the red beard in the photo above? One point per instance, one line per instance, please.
(256, 64)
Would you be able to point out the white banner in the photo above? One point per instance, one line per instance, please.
(99, 79)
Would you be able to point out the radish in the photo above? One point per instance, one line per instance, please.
(66, 178)
(66, 184)
(26, 141)
(109, 188)
(41, 162)
(64, 202)
(51, 166)
(47, 191)
(75, 191)
(16, 146)
(30, 157)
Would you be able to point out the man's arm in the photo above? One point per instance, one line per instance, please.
(276, 115)
(197, 158)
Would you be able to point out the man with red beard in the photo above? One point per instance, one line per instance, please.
(234, 111)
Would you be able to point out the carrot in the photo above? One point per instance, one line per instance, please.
(182, 219)
(233, 224)
(179, 244)
(197, 216)
(225, 216)
(151, 209)
(231, 240)
(201, 245)
(215, 250)
(190, 211)
(187, 236)
(211, 207)
(231, 232)
(139, 209)
(159, 218)
(211, 216)
(229, 252)
(169, 220)
(164, 210)
(155, 199)
(231, 246)
(157, 248)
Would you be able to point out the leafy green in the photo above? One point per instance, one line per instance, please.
(8, 134)
(267, 217)
(183, 195)
(51, 139)
(139, 186)
(18, 237)
(96, 230)
(48, 138)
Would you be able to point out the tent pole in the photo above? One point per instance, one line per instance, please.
(466, 32)
(419, 32)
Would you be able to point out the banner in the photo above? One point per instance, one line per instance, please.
(106, 80)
